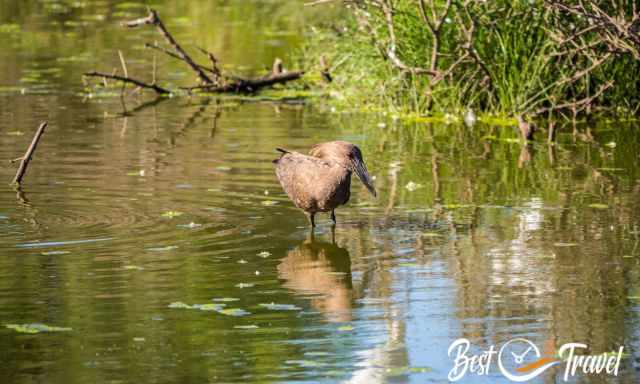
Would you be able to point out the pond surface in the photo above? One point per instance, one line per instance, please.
(157, 232)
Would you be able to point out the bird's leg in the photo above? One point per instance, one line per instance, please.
(333, 234)
(312, 218)
(333, 216)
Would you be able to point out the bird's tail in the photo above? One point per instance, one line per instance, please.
(281, 150)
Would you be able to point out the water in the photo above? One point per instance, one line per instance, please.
(129, 210)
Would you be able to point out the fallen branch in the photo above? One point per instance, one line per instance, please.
(249, 85)
(125, 79)
(24, 163)
(169, 53)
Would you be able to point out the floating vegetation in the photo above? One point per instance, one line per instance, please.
(223, 168)
(54, 253)
(208, 307)
(399, 371)
(280, 307)
(132, 268)
(457, 206)
(407, 264)
(599, 206)
(565, 244)
(36, 328)
(172, 214)
(211, 307)
(234, 312)
(269, 203)
(246, 326)
(179, 305)
(162, 249)
(244, 285)
(412, 186)
(225, 299)
(264, 254)
(305, 363)
(191, 225)
(345, 328)
(139, 339)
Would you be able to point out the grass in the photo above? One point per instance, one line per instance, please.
(512, 64)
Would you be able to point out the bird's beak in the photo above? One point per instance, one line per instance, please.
(361, 170)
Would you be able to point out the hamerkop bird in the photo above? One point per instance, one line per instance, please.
(321, 181)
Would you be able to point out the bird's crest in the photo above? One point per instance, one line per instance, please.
(281, 150)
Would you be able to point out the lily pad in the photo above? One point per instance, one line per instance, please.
(565, 244)
(133, 268)
(162, 249)
(172, 214)
(280, 307)
(234, 312)
(399, 371)
(53, 253)
(208, 307)
(225, 299)
(246, 327)
(36, 328)
(412, 186)
(179, 305)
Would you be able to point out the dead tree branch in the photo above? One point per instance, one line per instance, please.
(154, 19)
(249, 85)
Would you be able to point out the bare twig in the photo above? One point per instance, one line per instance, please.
(154, 19)
(175, 56)
(24, 163)
(139, 83)
(575, 104)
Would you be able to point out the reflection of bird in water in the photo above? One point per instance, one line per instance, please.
(321, 181)
(323, 270)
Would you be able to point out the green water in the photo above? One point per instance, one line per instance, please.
(157, 231)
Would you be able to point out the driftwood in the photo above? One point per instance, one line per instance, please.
(24, 161)
(211, 78)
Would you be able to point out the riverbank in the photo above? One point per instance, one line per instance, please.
(499, 58)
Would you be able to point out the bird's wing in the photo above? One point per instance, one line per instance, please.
(299, 176)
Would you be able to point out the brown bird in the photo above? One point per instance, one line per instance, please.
(321, 181)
